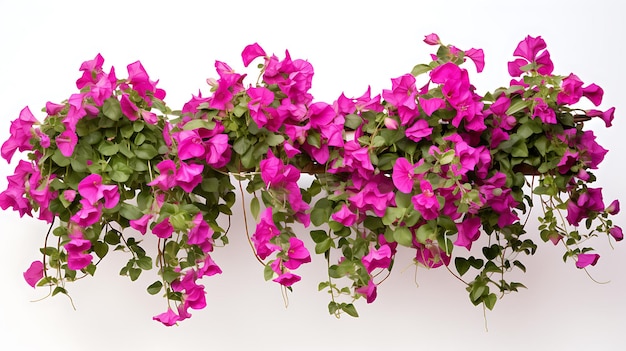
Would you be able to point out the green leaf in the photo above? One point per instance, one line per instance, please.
(420, 69)
(155, 287)
(321, 212)
(59, 159)
(353, 121)
(144, 263)
(134, 273)
(108, 148)
(462, 265)
(516, 106)
(403, 236)
(424, 233)
(101, 249)
(199, 123)
(146, 151)
(323, 246)
(350, 309)
(268, 272)
(129, 211)
(318, 236)
(490, 301)
(111, 109)
(274, 139)
(255, 207)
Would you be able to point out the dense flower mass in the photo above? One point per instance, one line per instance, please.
(428, 165)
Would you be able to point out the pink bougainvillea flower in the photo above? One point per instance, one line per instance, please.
(165, 180)
(616, 233)
(584, 260)
(344, 216)
(569, 159)
(88, 214)
(377, 258)
(66, 142)
(469, 231)
(594, 93)
(77, 259)
(141, 224)
(369, 291)
(251, 52)
(218, 151)
(129, 109)
(544, 112)
(431, 105)
(432, 39)
(571, 90)
(287, 279)
(200, 232)
(426, 203)
(190, 144)
(478, 57)
(53, 109)
(20, 134)
(141, 83)
(92, 71)
(209, 268)
(529, 49)
(613, 208)
(297, 254)
(168, 318)
(265, 231)
(260, 99)
(188, 176)
(163, 229)
(34, 273)
(419, 130)
(92, 189)
(607, 116)
(403, 175)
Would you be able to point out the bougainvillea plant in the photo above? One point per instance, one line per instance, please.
(427, 165)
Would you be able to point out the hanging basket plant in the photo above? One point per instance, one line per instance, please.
(428, 165)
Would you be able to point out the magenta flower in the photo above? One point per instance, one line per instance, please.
(377, 258)
(297, 254)
(129, 109)
(200, 232)
(431, 105)
(141, 224)
(419, 130)
(168, 318)
(426, 203)
(569, 159)
(209, 268)
(571, 90)
(92, 71)
(163, 229)
(20, 134)
(88, 214)
(92, 189)
(432, 39)
(34, 273)
(594, 93)
(287, 279)
(189, 176)
(260, 99)
(613, 208)
(403, 175)
(607, 116)
(529, 49)
(251, 52)
(616, 233)
(190, 144)
(469, 231)
(53, 109)
(584, 260)
(77, 259)
(66, 142)
(544, 112)
(165, 180)
(344, 216)
(369, 291)
(265, 231)
(478, 57)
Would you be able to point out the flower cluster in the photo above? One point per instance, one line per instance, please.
(427, 165)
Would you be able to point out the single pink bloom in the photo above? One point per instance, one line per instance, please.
(377, 258)
(344, 216)
(53, 109)
(391, 123)
(584, 260)
(251, 52)
(141, 224)
(34, 273)
(163, 229)
(478, 56)
(469, 231)
(544, 112)
(20, 134)
(209, 268)
(66, 142)
(129, 109)
(530, 47)
(594, 93)
(403, 175)
(88, 214)
(607, 116)
(569, 159)
(426, 203)
(190, 144)
(616, 233)
(368, 291)
(200, 232)
(432, 39)
(165, 180)
(419, 130)
(92, 70)
(69, 195)
(431, 105)
(168, 318)
(189, 176)
(92, 189)
(297, 254)
(613, 208)
(287, 279)
(265, 230)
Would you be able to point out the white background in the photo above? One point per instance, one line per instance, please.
(351, 44)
